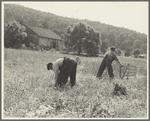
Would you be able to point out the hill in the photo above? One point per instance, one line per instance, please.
(115, 36)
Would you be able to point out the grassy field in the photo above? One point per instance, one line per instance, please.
(28, 89)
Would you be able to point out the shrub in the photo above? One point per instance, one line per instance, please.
(136, 52)
(14, 34)
(118, 52)
(119, 90)
(127, 53)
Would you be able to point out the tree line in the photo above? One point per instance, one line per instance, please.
(84, 36)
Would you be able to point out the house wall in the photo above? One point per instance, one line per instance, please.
(32, 36)
(60, 45)
(43, 41)
(52, 43)
(34, 39)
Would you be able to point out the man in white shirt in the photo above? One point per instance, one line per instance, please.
(63, 68)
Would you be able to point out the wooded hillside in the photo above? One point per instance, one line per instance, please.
(122, 38)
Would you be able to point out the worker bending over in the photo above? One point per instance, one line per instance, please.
(64, 68)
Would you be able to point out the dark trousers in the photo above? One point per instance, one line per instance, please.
(67, 69)
(105, 63)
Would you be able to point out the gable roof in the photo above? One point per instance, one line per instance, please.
(42, 32)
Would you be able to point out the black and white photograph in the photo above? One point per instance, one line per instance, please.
(75, 60)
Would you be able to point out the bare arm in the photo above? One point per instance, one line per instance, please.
(117, 61)
(56, 71)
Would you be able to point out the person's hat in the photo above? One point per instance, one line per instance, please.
(112, 48)
(78, 60)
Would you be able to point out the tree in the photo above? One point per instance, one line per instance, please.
(81, 38)
(45, 25)
(77, 36)
(104, 36)
(91, 41)
(143, 47)
(66, 38)
(127, 53)
(128, 49)
(137, 43)
(136, 52)
(123, 45)
(104, 46)
(120, 38)
(14, 34)
(118, 52)
(112, 38)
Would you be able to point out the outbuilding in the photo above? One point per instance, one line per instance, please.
(44, 37)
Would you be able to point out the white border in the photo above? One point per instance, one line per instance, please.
(2, 58)
(2, 74)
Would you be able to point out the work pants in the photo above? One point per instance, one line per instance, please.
(67, 69)
(105, 63)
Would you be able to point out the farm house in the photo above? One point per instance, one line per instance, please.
(44, 37)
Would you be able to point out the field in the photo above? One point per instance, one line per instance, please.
(28, 89)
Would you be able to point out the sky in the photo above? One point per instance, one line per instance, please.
(131, 15)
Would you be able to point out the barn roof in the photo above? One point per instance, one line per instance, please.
(42, 32)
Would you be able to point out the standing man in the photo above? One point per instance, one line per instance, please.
(107, 61)
(63, 68)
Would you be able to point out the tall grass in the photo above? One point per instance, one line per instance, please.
(28, 89)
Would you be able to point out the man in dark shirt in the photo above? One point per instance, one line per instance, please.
(107, 61)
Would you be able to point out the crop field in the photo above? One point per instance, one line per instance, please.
(28, 89)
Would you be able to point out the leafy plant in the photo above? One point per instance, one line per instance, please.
(81, 38)
(104, 46)
(14, 34)
(136, 52)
